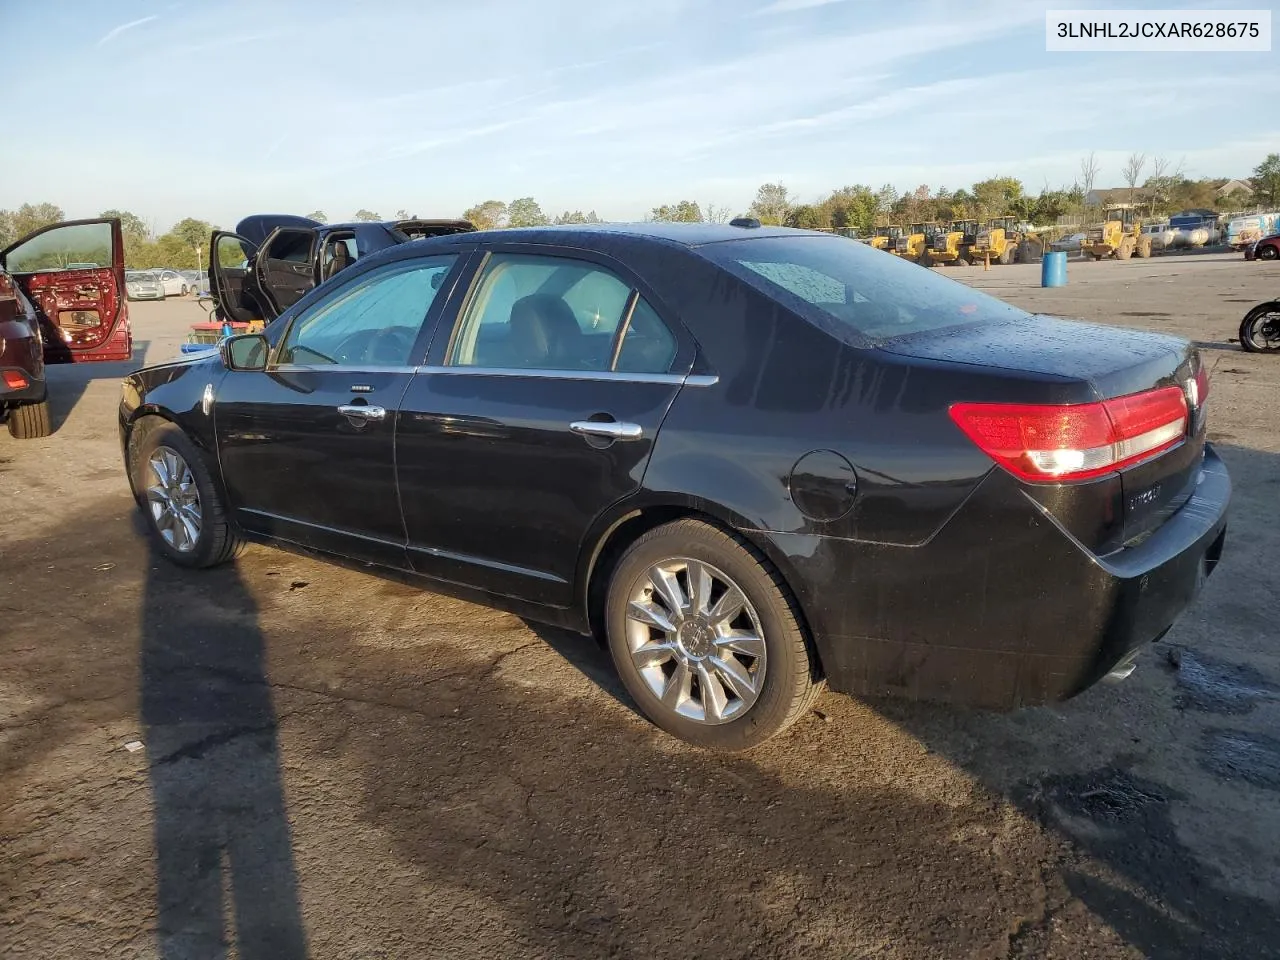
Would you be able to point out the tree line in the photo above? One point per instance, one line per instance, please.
(1153, 185)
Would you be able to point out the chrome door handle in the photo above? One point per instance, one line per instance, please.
(610, 429)
(361, 411)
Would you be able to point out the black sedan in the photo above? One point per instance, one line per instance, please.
(754, 460)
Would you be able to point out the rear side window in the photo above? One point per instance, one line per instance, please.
(557, 313)
(852, 290)
(291, 245)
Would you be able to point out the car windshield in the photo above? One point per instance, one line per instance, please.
(853, 291)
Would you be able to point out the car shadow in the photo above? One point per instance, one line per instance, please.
(67, 382)
(538, 817)
(220, 824)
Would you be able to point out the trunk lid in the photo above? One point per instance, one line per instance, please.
(1114, 362)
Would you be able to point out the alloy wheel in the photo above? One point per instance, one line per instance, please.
(696, 641)
(174, 499)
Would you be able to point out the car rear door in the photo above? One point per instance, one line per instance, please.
(285, 268)
(232, 281)
(537, 411)
(82, 312)
(307, 446)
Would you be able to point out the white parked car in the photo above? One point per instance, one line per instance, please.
(175, 285)
(1069, 244)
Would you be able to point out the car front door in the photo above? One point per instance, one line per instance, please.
(232, 283)
(285, 266)
(307, 446)
(81, 309)
(536, 414)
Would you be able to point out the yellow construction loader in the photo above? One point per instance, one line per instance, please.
(951, 246)
(998, 239)
(1119, 235)
(910, 243)
(884, 237)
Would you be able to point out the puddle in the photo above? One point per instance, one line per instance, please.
(1215, 686)
(1104, 796)
(1237, 755)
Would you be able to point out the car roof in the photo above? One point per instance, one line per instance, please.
(683, 234)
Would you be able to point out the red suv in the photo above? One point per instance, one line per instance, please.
(62, 300)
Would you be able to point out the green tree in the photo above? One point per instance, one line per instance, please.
(576, 216)
(318, 216)
(31, 217)
(403, 214)
(489, 215)
(686, 211)
(806, 216)
(131, 225)
(525, 212)
(366, 216)
(996, 197)
(772, 204)
(851, 207)
(1266, 181)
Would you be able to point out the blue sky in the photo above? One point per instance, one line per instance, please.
(220, 109)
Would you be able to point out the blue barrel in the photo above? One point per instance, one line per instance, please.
(1053, 269)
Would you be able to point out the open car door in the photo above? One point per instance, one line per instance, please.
(73, 274)
(285, 268)
(231, 279)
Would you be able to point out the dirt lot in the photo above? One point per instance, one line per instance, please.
(336, 765)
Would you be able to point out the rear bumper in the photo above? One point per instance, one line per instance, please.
(33, 392)
(1002, 608)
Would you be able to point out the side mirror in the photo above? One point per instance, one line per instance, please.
(246, 352)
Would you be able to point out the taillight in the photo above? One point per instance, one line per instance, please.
(1201, 389)
(1050, 443)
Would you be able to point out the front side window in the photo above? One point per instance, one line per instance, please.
(853, 291)
(555, 313)
(374, 321)
(59, 248)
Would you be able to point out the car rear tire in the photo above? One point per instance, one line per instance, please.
(30, 421)
(707, 638)
(1262, 320)
(180, 502)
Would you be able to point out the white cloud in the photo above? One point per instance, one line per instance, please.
(116, 31)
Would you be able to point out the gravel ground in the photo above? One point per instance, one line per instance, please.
(326, 763)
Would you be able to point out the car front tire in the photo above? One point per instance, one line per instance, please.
(707, 639)
(1268, 253)
(180, 502)
(30, 421)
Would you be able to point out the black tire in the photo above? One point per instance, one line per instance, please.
(1251, 328)
(1268, 253)
(792, 680)
(30, 421)
(217, 541)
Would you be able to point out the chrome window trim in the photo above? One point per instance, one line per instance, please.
(340, 368)
(692, 380)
